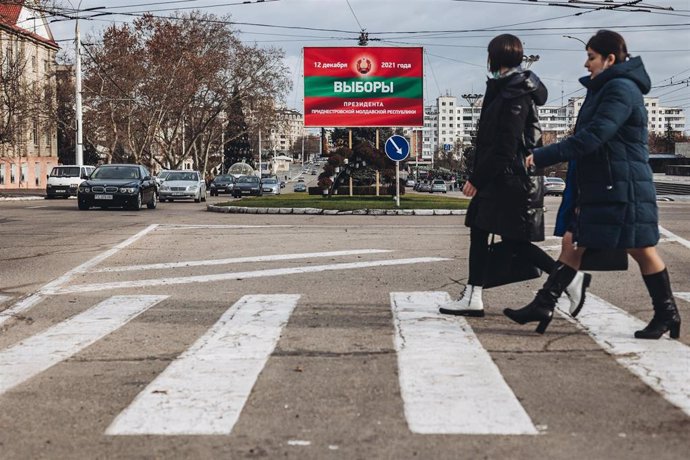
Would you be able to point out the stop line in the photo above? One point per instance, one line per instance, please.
(449, 383)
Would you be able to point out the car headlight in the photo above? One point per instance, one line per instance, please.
(49, 186)
(165, 187)
(192, 188)
(128, 190)
(84, 189)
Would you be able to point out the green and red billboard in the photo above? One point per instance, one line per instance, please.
(363, 87)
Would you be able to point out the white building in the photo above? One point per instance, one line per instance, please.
(658, 116)
(288, 129)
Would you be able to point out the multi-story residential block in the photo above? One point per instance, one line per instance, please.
(659, 118)
(288, 130)
(28, 137)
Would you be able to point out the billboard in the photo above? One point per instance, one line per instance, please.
(363, 87)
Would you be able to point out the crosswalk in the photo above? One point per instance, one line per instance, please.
(449, 383)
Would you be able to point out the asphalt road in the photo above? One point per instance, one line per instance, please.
(264, 336)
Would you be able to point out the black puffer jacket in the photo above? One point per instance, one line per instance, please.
(508, 202)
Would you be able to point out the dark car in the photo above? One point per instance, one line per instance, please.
(247, 185)
(300, 187)
(222, 184)
(118, 186)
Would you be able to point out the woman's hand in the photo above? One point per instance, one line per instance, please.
(469, 190)
(529, 161)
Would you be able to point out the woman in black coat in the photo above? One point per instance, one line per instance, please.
(610, 200)
(506, 201)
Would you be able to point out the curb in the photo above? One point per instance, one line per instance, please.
(334, 212)
(21, 198)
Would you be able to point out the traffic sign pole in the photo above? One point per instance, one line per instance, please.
(397, 183)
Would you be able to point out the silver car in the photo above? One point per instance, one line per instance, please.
(554, 186)
(183, 185)
(270, 186)
(438, 185)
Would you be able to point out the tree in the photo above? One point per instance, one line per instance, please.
(237, 147)
(162, 90)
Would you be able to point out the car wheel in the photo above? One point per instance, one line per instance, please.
(152, 204)
(137, 204)
(83, 206)
(203, 197)
(197, 198)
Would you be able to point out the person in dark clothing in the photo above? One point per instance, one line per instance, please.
(506, 201)
(610, 200)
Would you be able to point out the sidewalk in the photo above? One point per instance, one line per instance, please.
(22, 194)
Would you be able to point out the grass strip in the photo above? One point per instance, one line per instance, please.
(349, 203)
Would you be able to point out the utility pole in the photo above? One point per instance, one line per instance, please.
(79, 153)
(259, 153)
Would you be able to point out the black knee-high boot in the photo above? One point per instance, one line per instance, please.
(541, 308)
(666, 317)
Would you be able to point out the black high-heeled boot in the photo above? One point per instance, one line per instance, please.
(541, 308)
(666, 317)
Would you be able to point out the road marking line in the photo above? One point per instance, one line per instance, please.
(448, 381)
(662, 364)
(241, 275)
(37, 207)
(193, 226)
(683, 295)
(33, 299)
(238, 260)
(42, 351)
(204, 390)
(4, 298)
(673, 237)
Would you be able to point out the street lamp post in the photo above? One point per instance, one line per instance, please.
(79, 152)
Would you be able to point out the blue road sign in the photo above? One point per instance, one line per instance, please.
(397, 148)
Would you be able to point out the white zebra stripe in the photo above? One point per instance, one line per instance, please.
(42, 351)
(204, 390)
(448, 381)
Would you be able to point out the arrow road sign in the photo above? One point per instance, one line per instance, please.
(397, 148)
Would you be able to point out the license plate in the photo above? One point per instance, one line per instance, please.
(103, 197)
(60, 191)
(178, 193)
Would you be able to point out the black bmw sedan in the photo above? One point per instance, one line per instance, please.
(118, 186)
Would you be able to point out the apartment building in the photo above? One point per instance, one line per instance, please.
(287, 131)
(28, 142)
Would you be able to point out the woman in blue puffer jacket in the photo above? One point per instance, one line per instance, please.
(610, 200)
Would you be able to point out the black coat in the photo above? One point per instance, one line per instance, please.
(612, 182)
(508, 202)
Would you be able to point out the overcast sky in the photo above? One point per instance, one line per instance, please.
(455, 61)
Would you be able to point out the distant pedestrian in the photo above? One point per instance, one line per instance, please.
(609, 200)
(505, 200)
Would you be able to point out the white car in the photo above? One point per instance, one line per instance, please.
(181, 185)
(554, 186)
(438, 185)
(64, 180)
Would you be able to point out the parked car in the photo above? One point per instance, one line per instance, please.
(183, 185)
(64, 180)
(247, 185)
(424, 187)
(313, 172)
(410, 183)
(162, 174)
(438, 185)
(118, 185)
(300, 187)
(554, 186)
(270, 186)
(222, 184)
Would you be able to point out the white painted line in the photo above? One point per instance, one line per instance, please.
(4, 298)
(204, 390)
(194, 226)
(683, 295)
(673, 237)
(239, 260)
(42, 351)
(33, 299)
(37, 207)
(241, 275)
(662, 364)
(448, 381)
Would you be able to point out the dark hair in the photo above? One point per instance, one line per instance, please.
(504, 51)
(607, 42)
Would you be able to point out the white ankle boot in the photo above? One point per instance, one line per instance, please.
(576, 292)
(469, 304)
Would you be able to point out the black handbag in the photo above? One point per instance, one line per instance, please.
(504, 266)
(604, 260)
